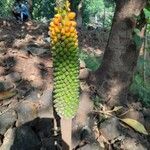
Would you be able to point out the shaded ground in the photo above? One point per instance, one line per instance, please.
(26, 119)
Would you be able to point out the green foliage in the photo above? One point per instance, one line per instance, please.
(6, 7)
(139, 86)
(137, 38)
(92, 62)
(43, 9)
(100, 11)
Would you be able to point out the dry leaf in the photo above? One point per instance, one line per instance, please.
(7, 94)
(135, 125)
(116, 108)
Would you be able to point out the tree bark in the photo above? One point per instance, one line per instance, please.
(121, 54)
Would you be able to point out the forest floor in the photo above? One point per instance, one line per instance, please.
(26, 84)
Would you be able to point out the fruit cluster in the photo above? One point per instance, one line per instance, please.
(65, 54)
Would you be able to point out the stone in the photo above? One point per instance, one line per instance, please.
(26, 139)
(14, 77)
(132, 144)
(92, 146)
(146, 112)
(84, 73)
(82, 64)
(7, 120)
(35, 49)
(47, 39)
(147, 123)
(84, 86)
(8, 139)
(110, 128)
(32, 108)
(4, 86)
(45, 100)
(24, 88)
(26, 111)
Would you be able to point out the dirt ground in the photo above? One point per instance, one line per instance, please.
(26, 83)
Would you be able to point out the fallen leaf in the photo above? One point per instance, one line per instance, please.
(7, 94)
(135, 125)
(116, 108)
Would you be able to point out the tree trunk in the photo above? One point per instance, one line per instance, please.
(121, 54)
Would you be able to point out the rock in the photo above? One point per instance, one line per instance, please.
(35, 49)
(110, 128)
(26, 111)
(92, 146)
(7, 120)
(14, 77)
(146, 112)
(46, 99)
(26, 139)
(4, 86)
(82, 64)
(147, 123)
(132, 144)
(84, 86)
(30, 109)
(24, 88)
(8, 139)
(47, 39)
(43, 127)
(84, 73)
(34, 95)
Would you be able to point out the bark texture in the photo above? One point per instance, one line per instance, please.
(121, 54)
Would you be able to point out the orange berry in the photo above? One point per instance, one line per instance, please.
(67, 23)
(72, 29)
(66, 29)
(73, 34)
(62, 31)
(71, 15)
(73, 23)
(56, 21)
(67, 34)
(57, 29)
(52, 24)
